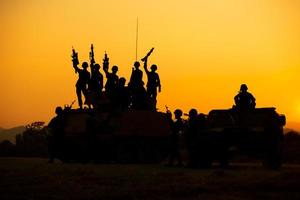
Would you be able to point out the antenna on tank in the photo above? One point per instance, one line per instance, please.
(136, 38)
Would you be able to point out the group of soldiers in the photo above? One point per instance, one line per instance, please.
(90, 84)
(191, 128)
(188, 130)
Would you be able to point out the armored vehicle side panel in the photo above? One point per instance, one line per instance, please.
(133, 136)
(257, 132)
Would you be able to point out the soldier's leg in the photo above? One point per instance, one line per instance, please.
(78, 92)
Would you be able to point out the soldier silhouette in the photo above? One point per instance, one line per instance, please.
(177, 128)
(55, 136)
(153, 82)
(122, 94)
(96, 81)
(112, 79)
(136, 87)
(136, 78)
(192, 129)
(82, 82)
(244, 100)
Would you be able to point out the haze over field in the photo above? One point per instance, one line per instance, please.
(204, 51)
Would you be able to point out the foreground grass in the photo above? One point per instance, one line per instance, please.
(35, 179)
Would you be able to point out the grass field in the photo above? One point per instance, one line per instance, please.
(30, 178)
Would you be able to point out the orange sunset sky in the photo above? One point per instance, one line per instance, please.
(204, 51)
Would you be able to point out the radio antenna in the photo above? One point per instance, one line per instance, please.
(136, 38)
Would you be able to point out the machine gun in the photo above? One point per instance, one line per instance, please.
(105, 62)
(92, 55)
(148, 54)
(74, 58)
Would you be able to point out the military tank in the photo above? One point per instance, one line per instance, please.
(255, 132)
(134, 136)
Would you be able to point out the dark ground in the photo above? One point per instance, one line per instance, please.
(32, 178)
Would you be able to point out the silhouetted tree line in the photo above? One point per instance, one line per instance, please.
(31, 143)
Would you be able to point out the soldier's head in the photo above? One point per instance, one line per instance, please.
(178, 113)
(153, 68)
(114, 69)
(97, 67)
(243, 88)
(58, 110)
(193, 113)
(85, 65)
(122, 82)
(136, 64)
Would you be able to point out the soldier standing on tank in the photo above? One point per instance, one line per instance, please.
(112, 79)
(83, 78)
(177, 128)
(136, 87)
(244, 100)
(153, 82)
(55, 136)
(96, 81)
(95, 85)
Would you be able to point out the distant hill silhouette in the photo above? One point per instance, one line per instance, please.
(10, 134)
(293, 126)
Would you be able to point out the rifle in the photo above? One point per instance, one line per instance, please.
(105, 62)
(69, 107)
(74, 58)
(148, 54)
(92, 58)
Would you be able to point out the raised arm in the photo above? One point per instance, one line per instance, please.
(145, 65)
(106, 64)
(75, 60)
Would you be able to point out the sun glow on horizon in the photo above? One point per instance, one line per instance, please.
(204, 51)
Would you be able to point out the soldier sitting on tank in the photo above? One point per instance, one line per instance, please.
(136, 87)
(177, 128)
(82, 82)
(244, 100)
(55, 134)
(153, 83)
(122, 95)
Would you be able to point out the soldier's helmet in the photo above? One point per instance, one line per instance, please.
(97, 66)
(243, 87)
(122, 81)
(153, 67)
(114, 69)
(178, 112)
(193, 113)
(136, 64)
(58, 110)
(85, 65)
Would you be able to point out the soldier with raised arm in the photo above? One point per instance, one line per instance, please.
(112, 78)
(153, 80)
(96, 81)
(83, 77)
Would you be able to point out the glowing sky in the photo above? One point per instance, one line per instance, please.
(204, 51)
